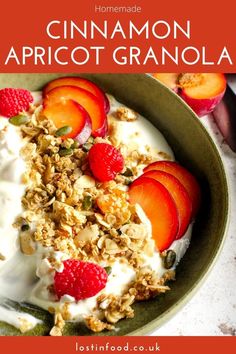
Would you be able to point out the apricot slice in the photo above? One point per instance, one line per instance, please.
(79, 82)
(70, 113)
(202, 92)
(159, 207)
(189, 182)
(86, 99)
(180, 196)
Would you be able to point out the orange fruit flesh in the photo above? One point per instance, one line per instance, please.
(179, 194)
(159, 207)
(210, 86)
(170, 79)
(91, 103)
(74, 81)
(184, 176)
(67, 113)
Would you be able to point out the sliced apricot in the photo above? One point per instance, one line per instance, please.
(180, 196)
(189, 182)
(69, 113)
(159, 207)
(86, 99)
(79, 82)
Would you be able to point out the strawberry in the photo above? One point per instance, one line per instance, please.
(14, 101)
(80, 280)
(105, 161)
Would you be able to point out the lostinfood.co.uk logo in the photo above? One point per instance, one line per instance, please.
(108, 347)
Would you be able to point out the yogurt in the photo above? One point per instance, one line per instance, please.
(13, 265)
(27, 278)
(12, 189)
(122, 275)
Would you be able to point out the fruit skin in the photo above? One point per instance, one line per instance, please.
(189, 182)
(205, 97)
(105, 161)
(102, 131)
(180, 196)
(202, 106)
(87, 100)
(80, 280)
(106, 104)
(159, 207)
(168, 79)
(14, 101)
(70, 113)
(79, 82)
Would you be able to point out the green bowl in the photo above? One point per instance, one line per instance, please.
(193, 148)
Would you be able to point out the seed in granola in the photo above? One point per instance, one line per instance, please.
(90, 140)
(128, 181)
(75, 145)
(87, 146)
(108, 270)
(169, 259)
(25, 227)
(87, 202)
(63, 131)
(128, 172)
(19, 119)
(65, 152)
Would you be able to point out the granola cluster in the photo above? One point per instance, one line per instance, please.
(68, 210)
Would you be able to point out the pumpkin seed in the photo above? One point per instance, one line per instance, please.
(108, 270)
(19, 120)
(65, 152)
(87, 146)
(90, 140)
(128, 181)
(128, 172)
(25, 227)
(87, 202)
(169, 259)
(63, 131)
(75, 145)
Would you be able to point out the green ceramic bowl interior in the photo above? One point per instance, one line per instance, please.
(194, 149)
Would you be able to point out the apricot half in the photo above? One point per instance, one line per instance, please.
(202, 92)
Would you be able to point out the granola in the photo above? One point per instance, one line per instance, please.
(57, 188)
(69, 214)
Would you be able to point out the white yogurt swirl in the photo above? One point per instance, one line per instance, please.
(12, 189)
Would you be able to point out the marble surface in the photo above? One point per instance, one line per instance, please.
(212, 310)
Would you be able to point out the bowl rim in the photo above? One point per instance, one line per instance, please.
(148, 328)
(156, 323)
